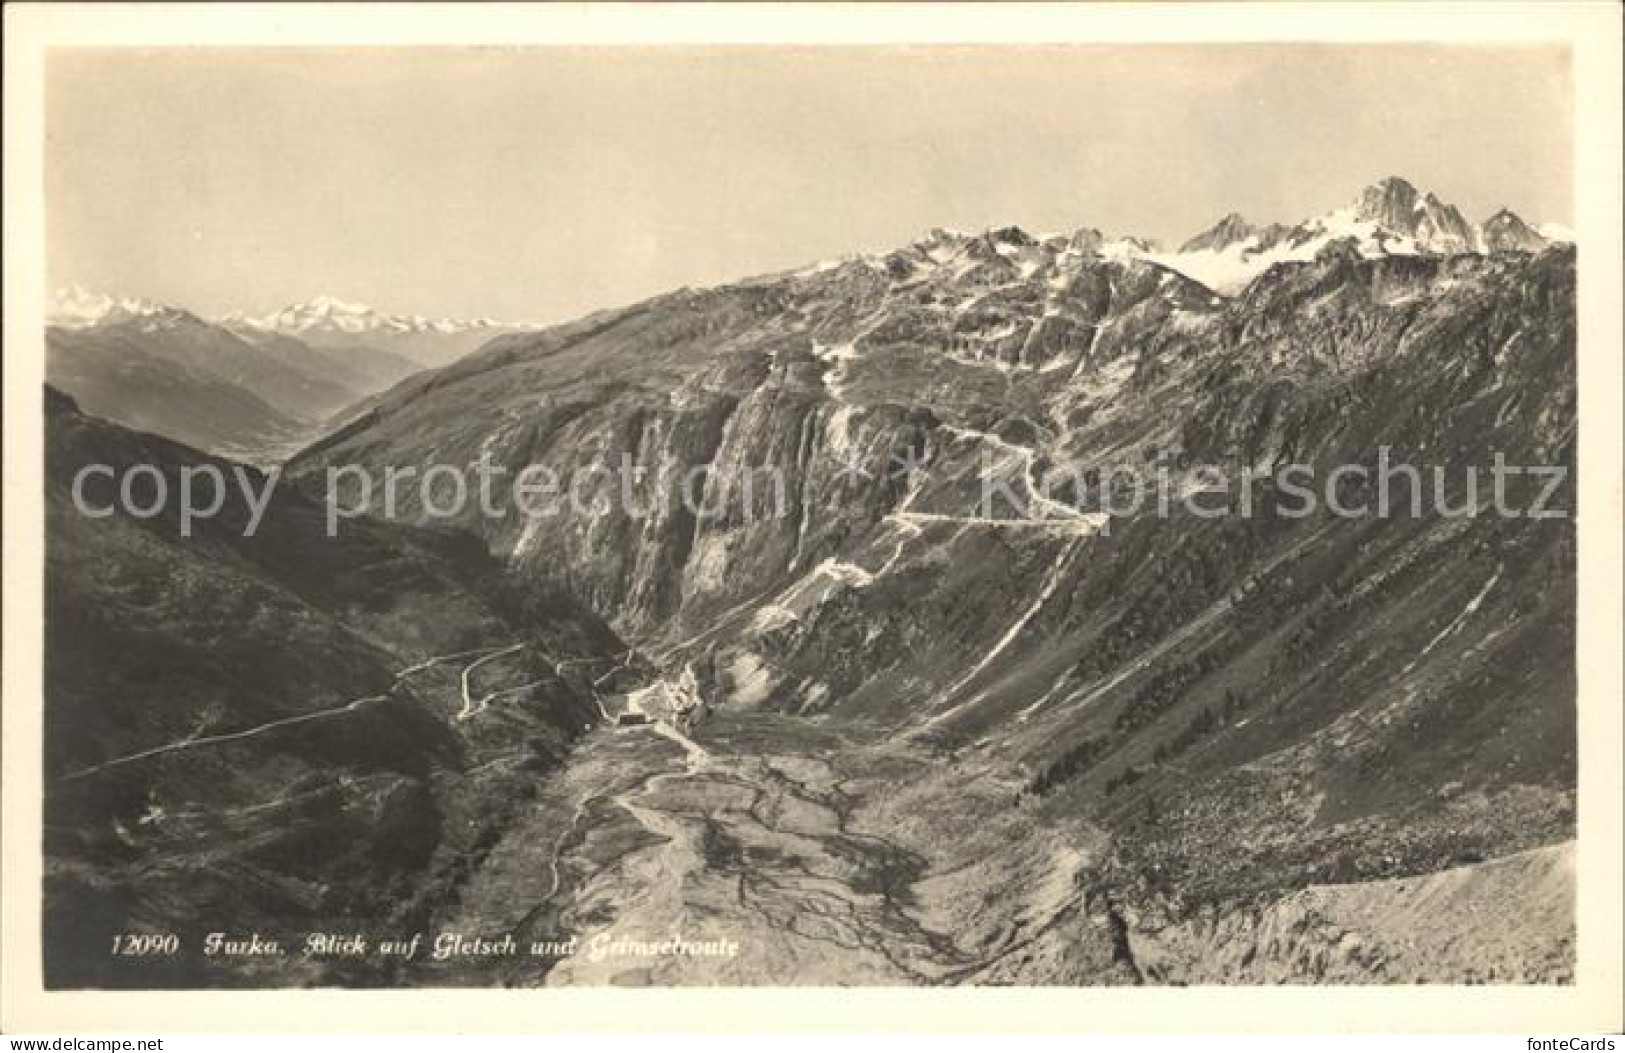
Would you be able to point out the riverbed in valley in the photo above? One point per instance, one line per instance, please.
(817, 856)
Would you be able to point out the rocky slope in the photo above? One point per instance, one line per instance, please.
(1234, 707)
(1452, 922)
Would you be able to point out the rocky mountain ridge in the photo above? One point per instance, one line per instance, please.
(328, 322)
(1390, 217)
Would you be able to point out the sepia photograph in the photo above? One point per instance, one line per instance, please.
(700, 513)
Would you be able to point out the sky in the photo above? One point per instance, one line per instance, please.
(542, 184)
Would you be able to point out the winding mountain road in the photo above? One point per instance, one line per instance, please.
(198, 741)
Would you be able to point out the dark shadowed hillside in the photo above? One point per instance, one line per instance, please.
(281, 733)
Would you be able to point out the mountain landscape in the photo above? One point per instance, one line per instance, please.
(1066, 736)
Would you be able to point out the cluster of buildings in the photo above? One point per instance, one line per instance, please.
(678, 703)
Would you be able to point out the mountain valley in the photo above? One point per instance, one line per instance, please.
(1065, 736)
(252, 389)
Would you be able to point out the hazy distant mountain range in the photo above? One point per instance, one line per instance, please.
(251, 388)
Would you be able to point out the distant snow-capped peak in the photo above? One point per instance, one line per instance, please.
(75, 307)
(333, 315)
